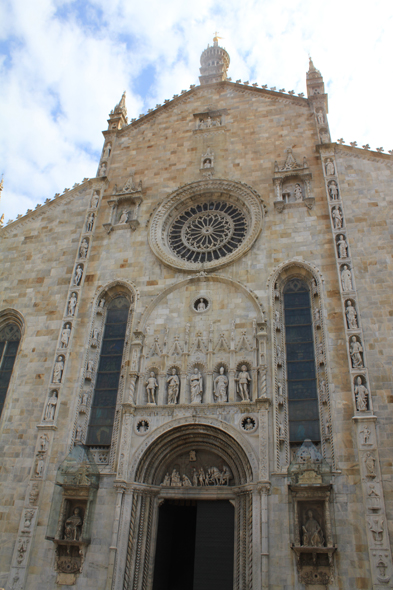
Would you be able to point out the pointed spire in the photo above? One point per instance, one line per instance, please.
(118, 117)
(315, 83)
(214, 63)
(121, 106)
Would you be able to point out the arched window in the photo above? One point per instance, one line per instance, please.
(9, 343)
(105, 392)
(303, 409)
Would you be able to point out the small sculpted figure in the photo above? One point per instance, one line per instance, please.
(366, 434)
(50, 409)
(342, 247)
(361, 395)
(333, 190)
(207, 163)
(186, 482)
(298, 194)
(243, 379)
(167, 480)
(330, 167)
(151, 386)
(196, 384)
(78, 433)
(44, 441)
(83, 248)
(124, 216)
(312, 532)
(94, 201)
(337, 218)
(40, 466)
(175, 479)
(173, 387)
(248, 424)
(201, 305)
(355, 351)
(72, 305)
(90, 222)
(58, 370)
(369, 463)
(103, 169)
(320, 117)
(73, 526)
(78, 275)
(221, 386)
(351, 314)
(346, 279)
(65, 336)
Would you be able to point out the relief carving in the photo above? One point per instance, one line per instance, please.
(58, 370)
(312, 532)
(375, 524)
(370, 465)
(211, 476)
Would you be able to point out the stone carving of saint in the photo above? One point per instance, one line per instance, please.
(73, 526)
(337, 218)
(351, 314)
(58, 370)
(95, 337)
(166, 480)
(78, 275)
(90, 222)
(94, 201)
(312, 532)
(72, 304)
(39, 470)
(329, 167)
(103, 169)
(65, 336)
(83, 248)
(151, 386)
(85, 399)
(366, 434)
(173, 387)
(346, 279)
(355, 351)
(333, 190)
(249, 424)
(369, 463)
(361, 395)
(320, 117)
(89, 369)
(201, 305)
(50, 409)
(196, 384)
(175, 479)
(298, 194)
(207, 163)
(324, 137)
(221, 386)
(342, 247)
(124, 217)
(44, 442)
(78, 433)
(280, 397)
(243, 379)
(186, 482)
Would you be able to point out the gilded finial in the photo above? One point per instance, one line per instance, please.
(216, 38)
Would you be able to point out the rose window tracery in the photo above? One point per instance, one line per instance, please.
(207, 231)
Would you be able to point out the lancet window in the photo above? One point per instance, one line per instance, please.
(9, 343)
(108, 374)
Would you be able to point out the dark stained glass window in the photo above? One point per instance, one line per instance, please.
(301, 372)
(105, 392)
(9, 343)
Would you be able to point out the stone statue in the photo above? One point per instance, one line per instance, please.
(207, 163)
(124, 216)
(221, 386)
(95, 337)
(65, 336)
(366, 432)
(248, 424)
(330, 167)
(78, 433)
(201, 305)
(72, 304)
(166, 480)
(351, 314)
(89, 369)
(73, 526)
(44, 442)
(376, 527)
(312, 532)
(243, 379)
(85, 398)
(78, 275)
(196, 384)
(58, 370)
(281, 431)
(39, 470)
(151, 386)
(90, 222)
(298, 194)
(94, 201)
(50, 409)
(173, 387)
(346, 279)
(369, 463)
(320, 117)
(101, 304)
(323, 392)
(342, 247)
(83, 248)
(333, 190)
(186, 482)
(337, 218)
(103, 169)
(175, 479)
(324, 136)
(280, 397)
(355, 351)
(361, 396)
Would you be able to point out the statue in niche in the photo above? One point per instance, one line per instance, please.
(376, 528)
(166, 480)
(103, 169)
(85, 398)
(366, 435)
(277, 323)
(346, 279)
(50, 409)
(101, 304)
(342, 247)
(95, 337)
(73, 526)
(281, 431)
(201, 306)
(249, 424)
(333, 190)
(351, 314)
(44, 442)
(173, 387)
(175, 479)
(78, 433)
(124, 217)
(337, 218)
(90, 222)
(320, 117)
(361, 396)
(355, 351)
(65, 336)
(58, 370)
(39, 470)
(221, 386)
(312, 532)
(151, 386)
(330, 167)
(83, 248)
(208, 121)
(207, 163)
(280, 397)
(298, 194)
(323, 390)
(369, 463)
(72, 305)
(89, 369)
(382, 566)
(94, 201)
(324, 137)
(242, 380)
(78, 275)
(196, 385)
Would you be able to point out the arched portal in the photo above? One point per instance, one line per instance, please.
(193, 475)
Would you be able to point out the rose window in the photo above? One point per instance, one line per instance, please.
(207, 232)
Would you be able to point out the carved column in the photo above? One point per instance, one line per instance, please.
(264, 490)
(231, 386)
(115, 532)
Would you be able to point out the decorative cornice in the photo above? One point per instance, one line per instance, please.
(355, 152)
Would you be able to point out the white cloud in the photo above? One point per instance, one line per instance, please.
(66, 64)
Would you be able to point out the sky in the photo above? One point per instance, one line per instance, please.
(64, 65)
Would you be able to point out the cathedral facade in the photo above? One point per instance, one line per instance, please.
(196, 355)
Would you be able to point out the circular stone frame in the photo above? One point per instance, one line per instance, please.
(236, 193)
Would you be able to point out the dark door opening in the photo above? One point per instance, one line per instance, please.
(195, 546)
